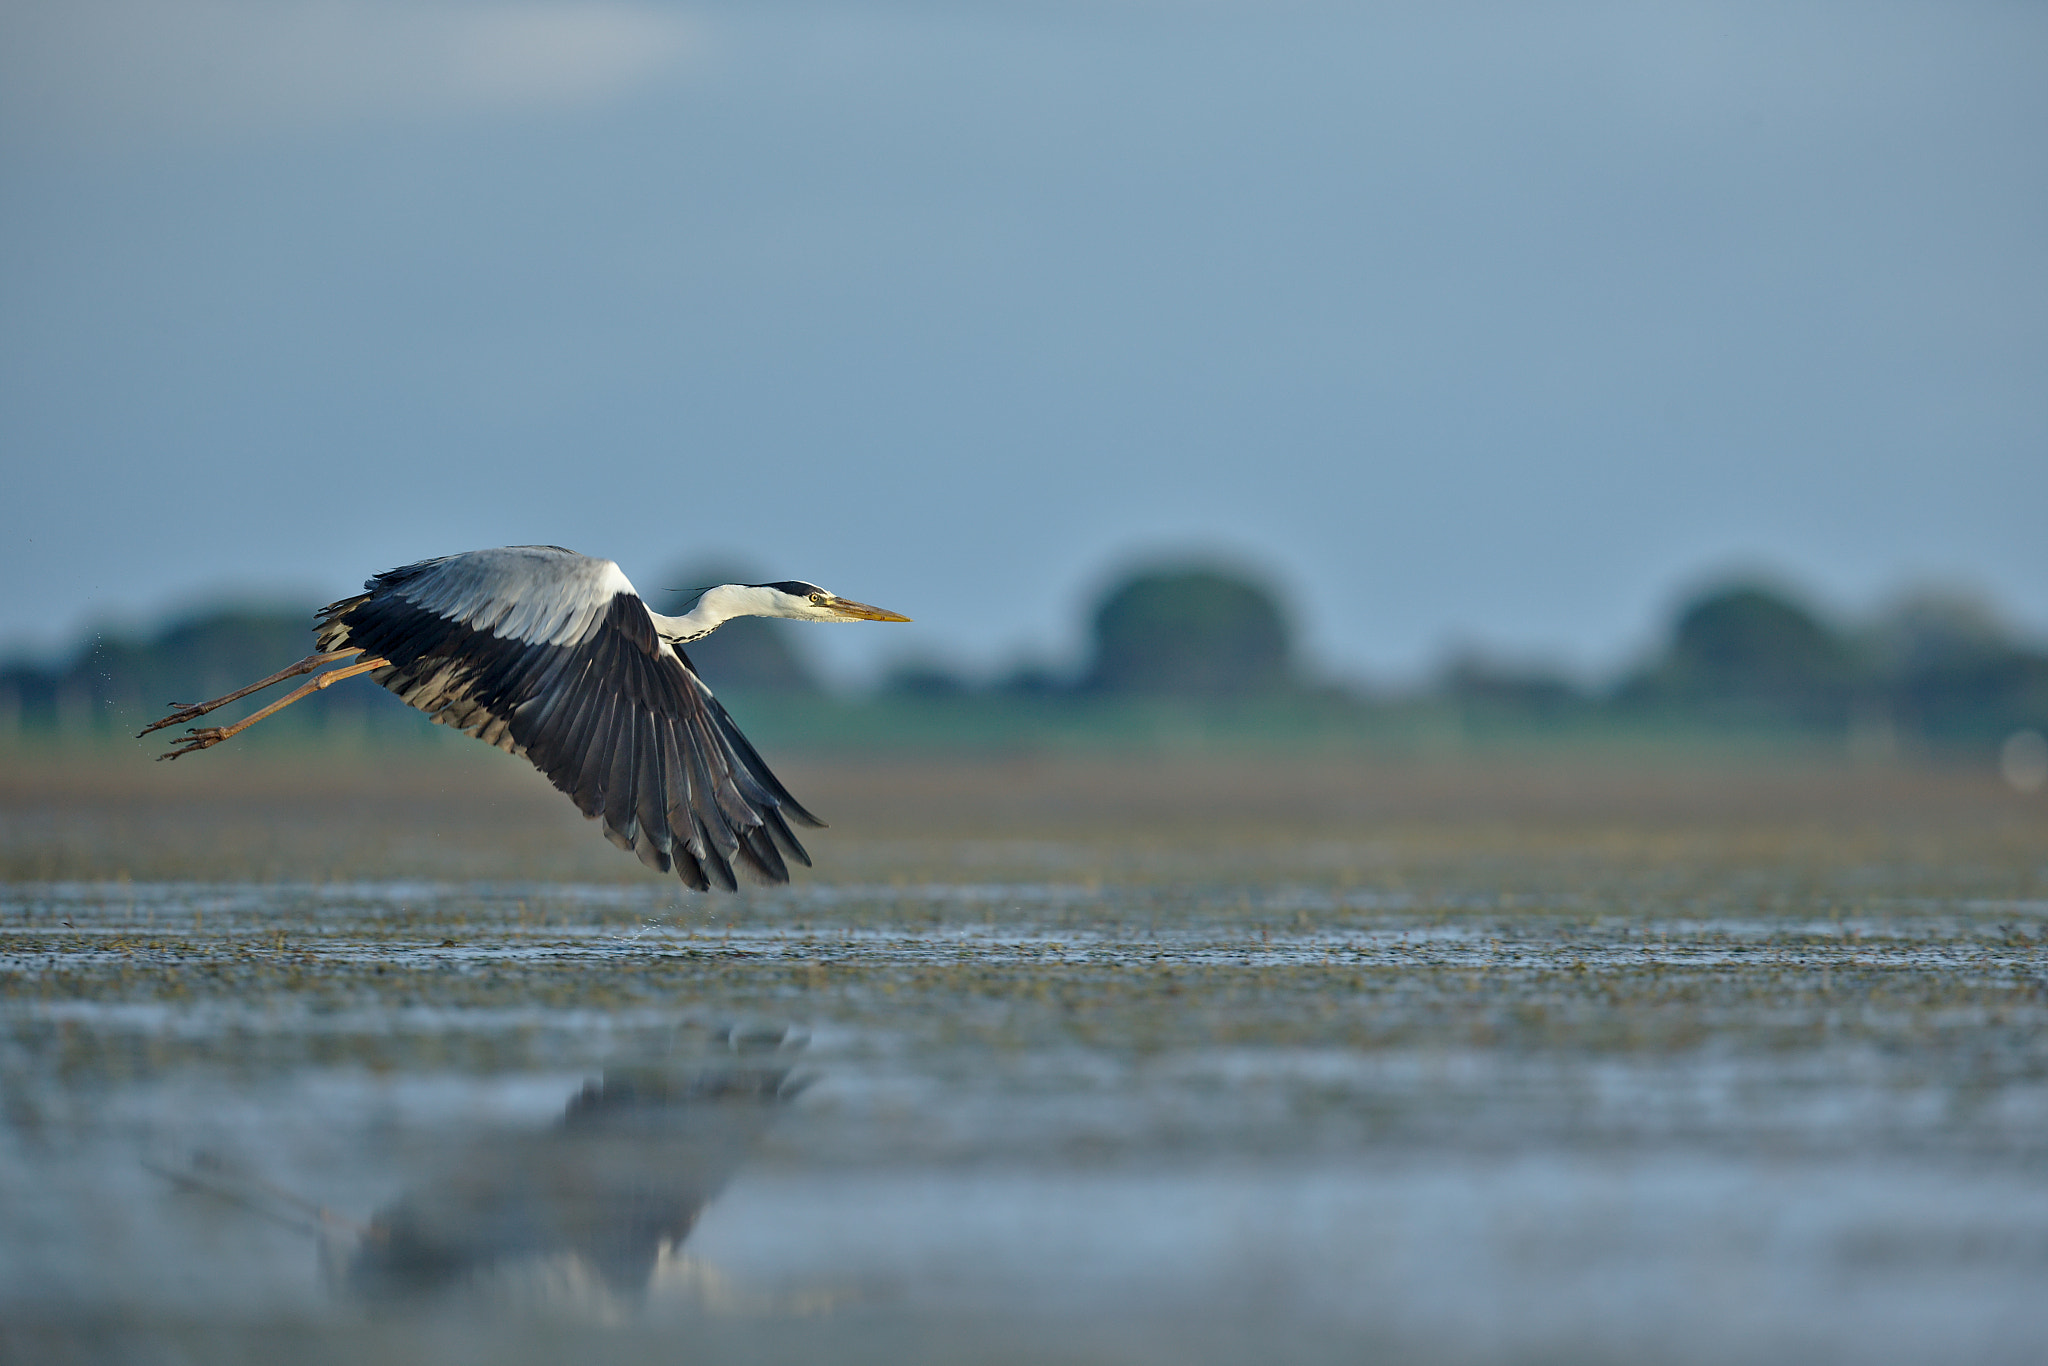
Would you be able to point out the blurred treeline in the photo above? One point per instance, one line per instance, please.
(1197, 649)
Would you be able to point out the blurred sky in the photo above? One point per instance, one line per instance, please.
(1495, 323)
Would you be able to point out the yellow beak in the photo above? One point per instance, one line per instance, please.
(860, 611)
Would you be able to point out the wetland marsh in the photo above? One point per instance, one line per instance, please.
(1130, 1059)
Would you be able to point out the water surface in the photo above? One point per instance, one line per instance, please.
(1683, 1086)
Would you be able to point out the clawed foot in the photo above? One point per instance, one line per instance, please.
(180, 711)
(202, 737)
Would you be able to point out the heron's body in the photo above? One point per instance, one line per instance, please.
(552, 656)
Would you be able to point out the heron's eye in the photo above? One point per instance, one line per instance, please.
(818, 599)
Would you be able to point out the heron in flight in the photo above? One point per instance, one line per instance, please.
(552, 656)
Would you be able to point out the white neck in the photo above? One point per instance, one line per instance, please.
(718, 606)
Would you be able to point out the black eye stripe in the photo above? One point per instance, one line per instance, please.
(796, 588)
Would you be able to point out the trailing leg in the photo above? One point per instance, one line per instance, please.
(206, 737)
(192, 711)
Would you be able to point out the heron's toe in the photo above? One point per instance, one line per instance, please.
(199, 737)
(180, 711)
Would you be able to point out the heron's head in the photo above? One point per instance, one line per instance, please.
(800, 601)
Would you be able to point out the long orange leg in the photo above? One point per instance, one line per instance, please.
(208, 1175)
(192, 711)
(206, 737)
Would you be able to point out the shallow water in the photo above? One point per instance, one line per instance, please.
(1703, 1088)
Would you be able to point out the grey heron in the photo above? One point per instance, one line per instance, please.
(552, 656)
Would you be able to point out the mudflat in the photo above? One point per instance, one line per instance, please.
(1104, 1057)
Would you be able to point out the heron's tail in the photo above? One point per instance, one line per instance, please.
(330, 630)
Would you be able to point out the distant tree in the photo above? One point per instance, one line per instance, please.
(1488, 685)
(115, 682)
(1031, 678)
(923, 679)
(1946, 666)
(1747, 650)
(752, 654)
(1190, 631)
(28, 697)
(1933, 630)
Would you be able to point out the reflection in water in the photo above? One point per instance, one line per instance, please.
(577, 1217)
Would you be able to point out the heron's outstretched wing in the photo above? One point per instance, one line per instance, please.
(552, 656)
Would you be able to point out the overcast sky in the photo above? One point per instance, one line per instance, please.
(1468, 322)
